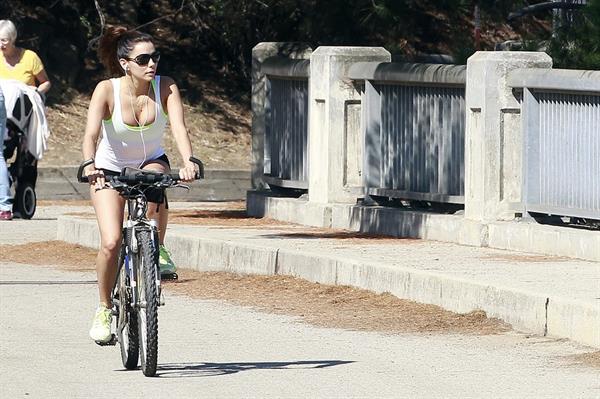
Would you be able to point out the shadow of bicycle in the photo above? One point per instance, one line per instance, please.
(176, 370)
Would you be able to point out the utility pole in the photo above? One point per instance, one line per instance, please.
(477, 26)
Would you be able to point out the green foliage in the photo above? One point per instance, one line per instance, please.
(213, 39)
(576, 42)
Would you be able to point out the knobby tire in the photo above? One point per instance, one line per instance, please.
(147, 292)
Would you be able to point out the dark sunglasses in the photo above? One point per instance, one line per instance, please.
(144, 59)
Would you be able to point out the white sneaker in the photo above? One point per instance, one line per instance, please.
(100, 330)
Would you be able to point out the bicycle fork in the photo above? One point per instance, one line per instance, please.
(131, 250)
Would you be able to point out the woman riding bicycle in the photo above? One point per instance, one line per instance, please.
(131, 111)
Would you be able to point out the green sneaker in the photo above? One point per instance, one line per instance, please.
(100, 331)
(166, 265)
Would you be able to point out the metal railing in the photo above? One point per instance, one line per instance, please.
(561, 134)
(286, 122)
(414, 126)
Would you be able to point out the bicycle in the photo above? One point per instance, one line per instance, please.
(137, 294)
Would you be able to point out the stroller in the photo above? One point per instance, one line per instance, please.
(23, 169)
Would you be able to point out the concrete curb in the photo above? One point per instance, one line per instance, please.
(527, 311)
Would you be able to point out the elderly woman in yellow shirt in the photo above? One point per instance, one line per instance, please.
(25, 66)
(18, 63)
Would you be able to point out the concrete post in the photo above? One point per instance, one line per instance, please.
(334, 136)
(493, 139)
(260, 53)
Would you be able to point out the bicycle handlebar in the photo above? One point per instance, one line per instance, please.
(144, 177)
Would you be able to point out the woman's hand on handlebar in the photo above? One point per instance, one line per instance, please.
(188, 172)
(95, 177)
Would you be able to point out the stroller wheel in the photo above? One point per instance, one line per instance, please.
(25, 200)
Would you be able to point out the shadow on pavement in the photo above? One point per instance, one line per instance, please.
(212, 214)
(340, 235)
(172, 370)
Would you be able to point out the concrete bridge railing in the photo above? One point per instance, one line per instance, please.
(260, 86)
(503, 136)
(561, 140)
(286, 122)
(413, 125)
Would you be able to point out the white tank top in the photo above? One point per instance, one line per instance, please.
(130, 146)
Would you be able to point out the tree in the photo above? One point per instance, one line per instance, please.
(577, 44)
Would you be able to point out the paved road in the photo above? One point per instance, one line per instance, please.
(212, 349)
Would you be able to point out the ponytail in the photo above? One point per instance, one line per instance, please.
(116, 43)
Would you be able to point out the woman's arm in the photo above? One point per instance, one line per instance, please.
(98, 109)
(178, 127)
(44, 83)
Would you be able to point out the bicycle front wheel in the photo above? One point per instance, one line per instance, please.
(127, 323)
(148, 300)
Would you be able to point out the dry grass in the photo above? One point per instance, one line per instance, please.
(221, 217)
(590, 359)
(318, 304)
(57, 254)
(332, 306)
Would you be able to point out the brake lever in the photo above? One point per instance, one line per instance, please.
(117, 185)
(163, 185)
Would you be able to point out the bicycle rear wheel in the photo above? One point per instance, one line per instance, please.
(148, 296)
(127, 324)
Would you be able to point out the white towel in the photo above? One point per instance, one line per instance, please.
(36, 129)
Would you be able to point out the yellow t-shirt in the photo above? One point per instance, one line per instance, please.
(25, 70)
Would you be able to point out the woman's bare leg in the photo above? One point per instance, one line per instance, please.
(109, 207)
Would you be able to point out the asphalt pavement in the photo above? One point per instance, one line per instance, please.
(216, 350)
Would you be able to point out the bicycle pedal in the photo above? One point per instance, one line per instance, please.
(111, 342)
(169, 276)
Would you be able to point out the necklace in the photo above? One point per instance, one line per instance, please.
(144, 106)
(136, 119)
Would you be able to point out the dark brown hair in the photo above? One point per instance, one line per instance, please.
(116, 43)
